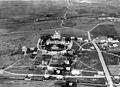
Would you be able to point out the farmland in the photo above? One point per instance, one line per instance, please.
(104, 30)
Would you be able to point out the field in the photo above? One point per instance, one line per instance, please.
(12, 43)
(104, 30)
(21, 15)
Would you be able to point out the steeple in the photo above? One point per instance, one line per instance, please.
(56, 35)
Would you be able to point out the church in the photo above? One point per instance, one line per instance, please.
(54, 44)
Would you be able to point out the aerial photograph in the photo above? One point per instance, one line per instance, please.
(59, 43)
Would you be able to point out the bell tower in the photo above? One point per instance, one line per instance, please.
(56, 35)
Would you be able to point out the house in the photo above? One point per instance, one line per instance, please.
(79, 39)
(115, 45)
(100, 73)
(75, 72)
(110, 39)
(72, 38)
(103, 41)
(92, 47)
(115, 41)
(24, 50)
(86, 40)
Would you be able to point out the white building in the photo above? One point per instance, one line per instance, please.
(75, 72)
(103, 41)
(57, 45)
(115, 45)
(79, 39)
(56, 35)
(72, 38)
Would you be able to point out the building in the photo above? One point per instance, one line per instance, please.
(79, 39)
(112, 19)
(55, 44)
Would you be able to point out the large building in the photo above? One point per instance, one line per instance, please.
(54, 44)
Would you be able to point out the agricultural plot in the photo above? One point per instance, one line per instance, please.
(85, 23)
(69, 23)
(31, 26)
(85, 27)
(67, 31)
(104, 30)
(112, 61)
(88, 46)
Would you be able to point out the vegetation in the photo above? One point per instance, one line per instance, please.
(104, 30)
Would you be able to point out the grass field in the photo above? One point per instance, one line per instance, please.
(104, 30)
(112, 63)
(12, 43)
(111, 59)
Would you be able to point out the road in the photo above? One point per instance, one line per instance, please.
(106, 71)
(64, 16)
